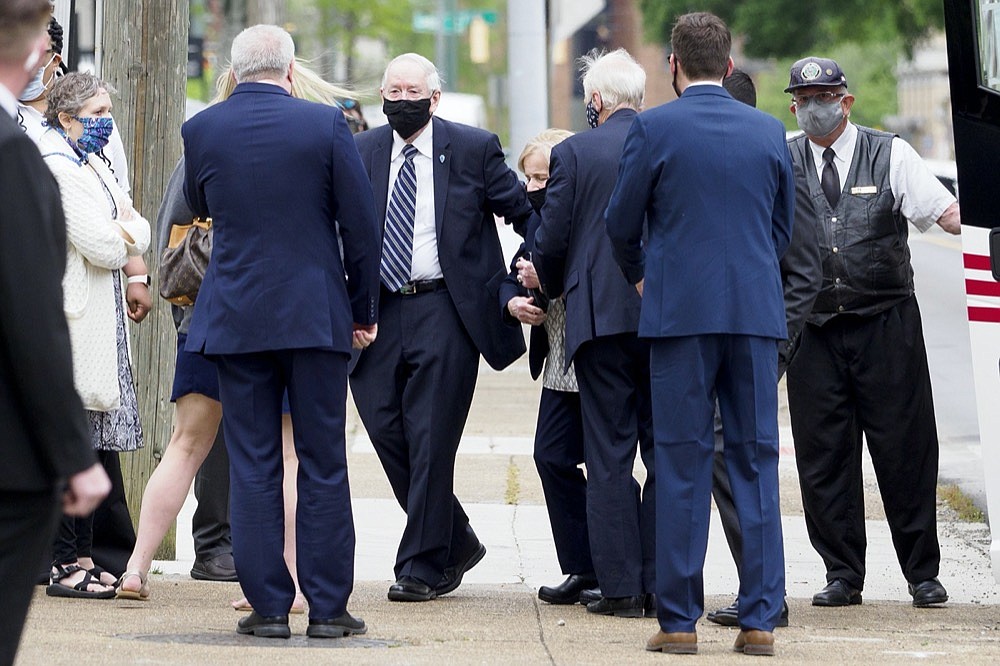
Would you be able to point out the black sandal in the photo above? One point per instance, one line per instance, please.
(96, 571)
(78, 591)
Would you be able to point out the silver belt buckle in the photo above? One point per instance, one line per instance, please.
(408, 288)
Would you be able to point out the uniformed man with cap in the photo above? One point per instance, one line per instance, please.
(861, 368)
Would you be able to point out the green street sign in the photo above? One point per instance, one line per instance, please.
(455, 23)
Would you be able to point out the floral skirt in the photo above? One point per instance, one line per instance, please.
(119, 429)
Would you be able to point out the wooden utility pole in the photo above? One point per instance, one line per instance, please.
(144, 45)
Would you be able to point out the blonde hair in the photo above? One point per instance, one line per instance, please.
(306, 84)
(542, 144)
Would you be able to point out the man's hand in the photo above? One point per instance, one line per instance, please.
(951, 219)
(85, 491)
(363, 336)
(140, 303)
(638, 286)
(526, 274)
(524, 310)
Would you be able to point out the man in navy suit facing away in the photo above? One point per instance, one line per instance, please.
(713, 178)
(279, 309)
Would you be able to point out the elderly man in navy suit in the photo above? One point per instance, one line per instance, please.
(279, 309)
(715, 179)
(437, 187)
(573, 256)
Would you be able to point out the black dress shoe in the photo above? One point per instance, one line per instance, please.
(338, 627)
(567, 592)
(619, 606)
(265, 627)
(649, 605)
(452, 577)
(408, 588)
(220, 568)
(928, 593)
(591, 595)
(837, 593)
(730, 615)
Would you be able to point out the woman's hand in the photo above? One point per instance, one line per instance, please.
(526, 274)
(140, 303)
(524, 310)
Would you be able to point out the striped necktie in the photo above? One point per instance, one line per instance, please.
(397, 244)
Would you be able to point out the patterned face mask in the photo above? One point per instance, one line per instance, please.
(96, 132)
(592, 114)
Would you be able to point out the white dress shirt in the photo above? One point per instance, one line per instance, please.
(7, 101)
(922, 196)
(425, 264)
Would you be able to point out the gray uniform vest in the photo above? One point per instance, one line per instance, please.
(866, 259)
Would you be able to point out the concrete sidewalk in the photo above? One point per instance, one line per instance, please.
(495, 617)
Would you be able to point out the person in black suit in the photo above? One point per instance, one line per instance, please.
(50, 466)
(437, 187)
(288, 198)
(559, 433)
(573, 257)
(801, 279)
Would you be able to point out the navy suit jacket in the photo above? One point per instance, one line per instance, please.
(713, 179)
(280, 177)
(572, 252)
(472, 183)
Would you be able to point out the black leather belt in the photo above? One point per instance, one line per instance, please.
(421, 286)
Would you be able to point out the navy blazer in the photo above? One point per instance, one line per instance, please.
(572, 252)
(280, 177)
(713, 177)
(538, 337)
(472, 183)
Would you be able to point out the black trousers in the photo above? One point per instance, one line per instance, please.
(558, 454)
(866, 375)
(613, 373)
(722, 493)
(27, 524)
(210, 522)
(413, 388)
(114, 533)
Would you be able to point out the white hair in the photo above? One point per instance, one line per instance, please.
(260, 52)
(616, 76)
(432, 76)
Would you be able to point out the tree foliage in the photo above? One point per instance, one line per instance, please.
(795, 28)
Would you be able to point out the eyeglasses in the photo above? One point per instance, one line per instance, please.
(822, 98)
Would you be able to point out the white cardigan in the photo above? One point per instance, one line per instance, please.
(95, 253)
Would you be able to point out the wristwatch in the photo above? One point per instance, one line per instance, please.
(137, 279)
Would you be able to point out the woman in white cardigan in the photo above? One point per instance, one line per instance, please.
(102, 230)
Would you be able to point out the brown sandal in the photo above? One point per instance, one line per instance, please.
(142, 594)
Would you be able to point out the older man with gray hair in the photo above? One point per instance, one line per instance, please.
(573, 257)
(292, 286)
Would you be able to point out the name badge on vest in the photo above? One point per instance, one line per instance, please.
(864, 189)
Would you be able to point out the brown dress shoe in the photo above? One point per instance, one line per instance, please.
(755, 642)
(677, 642)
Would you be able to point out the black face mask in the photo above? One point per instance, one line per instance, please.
(407, 116)
(537, 198)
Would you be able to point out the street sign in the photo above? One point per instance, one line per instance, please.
(455, 23)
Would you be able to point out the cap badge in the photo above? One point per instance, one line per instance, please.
(810, 71)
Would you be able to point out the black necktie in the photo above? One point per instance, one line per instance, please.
(831, 179)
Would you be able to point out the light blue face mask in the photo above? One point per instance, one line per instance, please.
(36, 87)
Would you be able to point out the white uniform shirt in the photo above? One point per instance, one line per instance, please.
(425, 265)
(922, 196)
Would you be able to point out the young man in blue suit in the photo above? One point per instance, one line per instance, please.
(437, 186)
(715, 178)
(573, 256)
(279, 309)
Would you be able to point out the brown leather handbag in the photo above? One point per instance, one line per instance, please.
(185, 260)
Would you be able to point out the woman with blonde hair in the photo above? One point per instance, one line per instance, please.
(196, 393)
(559, 430)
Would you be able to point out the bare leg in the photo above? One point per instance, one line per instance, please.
(197, 421)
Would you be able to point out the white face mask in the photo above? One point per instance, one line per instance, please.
(36, 86)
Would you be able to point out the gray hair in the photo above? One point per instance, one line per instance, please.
(69, 93)
(261, 52)
(431, 72)
(616, 76)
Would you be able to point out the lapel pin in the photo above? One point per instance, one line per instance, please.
(441, 157)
